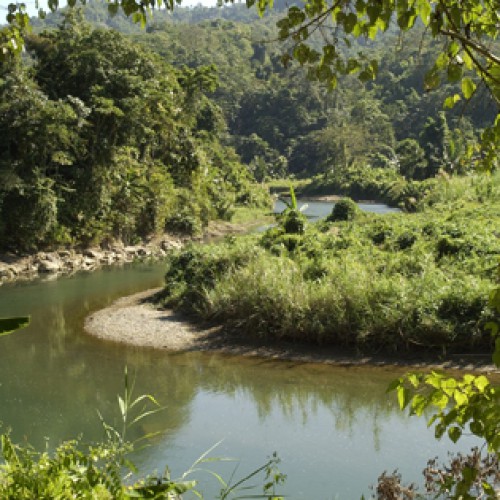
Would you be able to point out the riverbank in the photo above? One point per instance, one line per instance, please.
(66, 261)
(136, 320)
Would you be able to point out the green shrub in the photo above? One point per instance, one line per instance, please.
(183, 223)
(351, 283)
(406, 240)
(344, 210)
(293, 221)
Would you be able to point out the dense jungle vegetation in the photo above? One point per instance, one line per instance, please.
(430, 274)
(102, 140)
(281, 122)
(110, 136)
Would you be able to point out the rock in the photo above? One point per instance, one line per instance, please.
(6, 272)
(14, 270)
(30, 268)
(53, 257)
(107, 259)
(92, 253)
(167, 245)
(64, 254)
(74, 263)
(131, 250)
(49, 266)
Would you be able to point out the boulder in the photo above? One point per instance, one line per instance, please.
(92, 253)
(6, 272)
(49, 266)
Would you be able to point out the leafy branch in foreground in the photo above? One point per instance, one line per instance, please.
(470, 404)
(10, 325)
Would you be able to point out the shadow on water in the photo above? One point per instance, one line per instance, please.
(334, 428)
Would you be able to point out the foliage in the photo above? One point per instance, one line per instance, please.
(292, 220)
(277, 118)
(345, 209)
(470, 33)
(103, 141)
(467, 405)
(10, 325)
(388, 186)
(94, 472)
(314, 286)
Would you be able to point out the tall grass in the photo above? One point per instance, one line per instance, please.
(393, 281)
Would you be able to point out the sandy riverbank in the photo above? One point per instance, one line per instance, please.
(135, 320)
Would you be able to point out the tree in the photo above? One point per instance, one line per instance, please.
(320, 30)
(411, 159)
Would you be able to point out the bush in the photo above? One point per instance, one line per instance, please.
(344, 210)
(351, 284)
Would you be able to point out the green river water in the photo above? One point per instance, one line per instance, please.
(335, 429)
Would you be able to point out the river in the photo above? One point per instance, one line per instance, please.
(315, 209)
(334, 428)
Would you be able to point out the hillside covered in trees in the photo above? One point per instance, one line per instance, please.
(282, 122)
(101, 140)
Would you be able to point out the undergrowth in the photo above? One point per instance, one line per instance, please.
(393, 282)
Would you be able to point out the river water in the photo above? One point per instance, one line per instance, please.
(335, 429)
(315, 209)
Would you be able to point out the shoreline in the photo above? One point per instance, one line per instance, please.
(135, 320)
(66, 261)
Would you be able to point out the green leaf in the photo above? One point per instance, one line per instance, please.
(468, 88)
(488, 489)
(460, 397)
(301, 53)
(442, 61)
(406, 20)
(476, 428)
(431, 79)
(121, 403)
(373, 12)
(439, 399)
(403, 396)
(418, 404)
(453, 49)
(454, 72)
(413, 379)
(448, 386)
(451, 100)
(349, 22)
(424, 11)
(481, 383)
(454, 433)
(10, 325)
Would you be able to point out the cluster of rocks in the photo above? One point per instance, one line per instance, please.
(52, 264)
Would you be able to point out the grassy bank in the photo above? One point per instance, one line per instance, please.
(391, 282)
(388, 186)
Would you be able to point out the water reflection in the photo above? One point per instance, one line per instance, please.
(334, 428)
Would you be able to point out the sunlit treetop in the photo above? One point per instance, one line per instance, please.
(316, 31)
